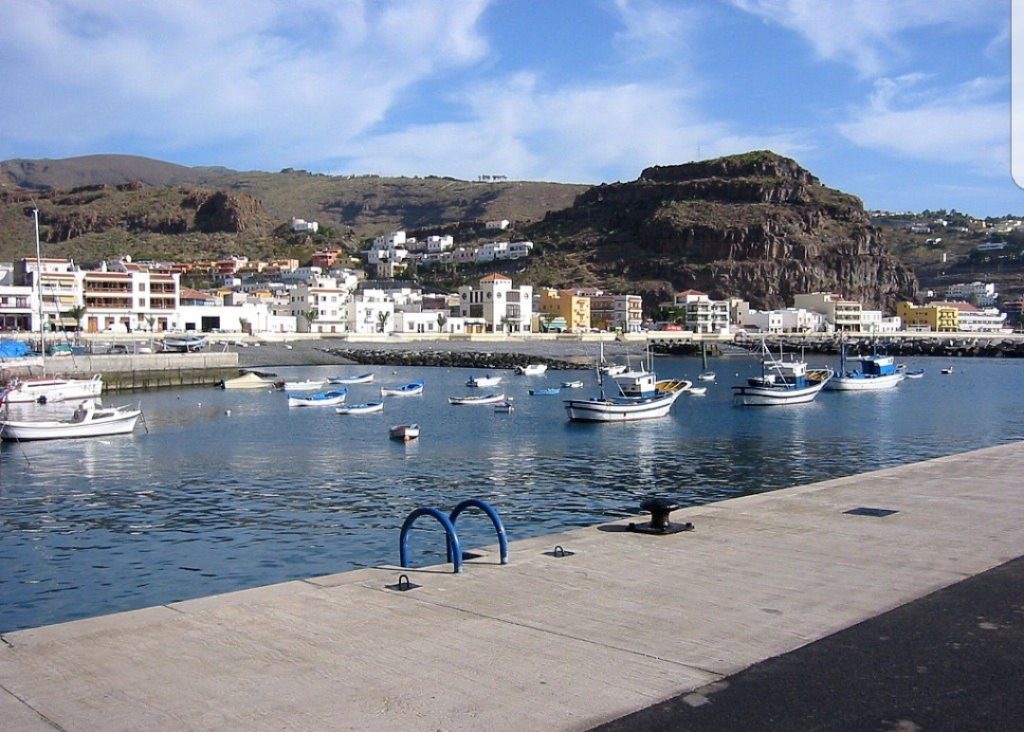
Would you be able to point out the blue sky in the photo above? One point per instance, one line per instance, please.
(905, 103)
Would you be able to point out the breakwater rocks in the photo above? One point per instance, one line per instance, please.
(459, 359)
(908, 346)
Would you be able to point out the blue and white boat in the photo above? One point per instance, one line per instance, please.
(781, 383)
(366, 378)
(482, 381)
(545, 391)
(876, 372)
(477, 399)
(651, 399)
(413, 388)
(367, 408)
(319, 399)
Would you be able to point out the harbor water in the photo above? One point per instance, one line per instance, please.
(223, 490)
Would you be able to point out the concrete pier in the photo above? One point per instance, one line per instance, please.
(620, 621)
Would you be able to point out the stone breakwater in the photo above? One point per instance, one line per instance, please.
(459, 359)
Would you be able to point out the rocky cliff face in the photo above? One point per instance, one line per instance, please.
(757, 226)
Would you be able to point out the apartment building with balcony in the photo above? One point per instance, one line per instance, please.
(503, 307)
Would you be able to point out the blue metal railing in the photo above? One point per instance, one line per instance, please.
(452, 546)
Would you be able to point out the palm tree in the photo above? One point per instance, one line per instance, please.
(310, 316)
(442, 319)
(76, 313)
(382, 320)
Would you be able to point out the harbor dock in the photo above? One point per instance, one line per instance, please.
(575, 631)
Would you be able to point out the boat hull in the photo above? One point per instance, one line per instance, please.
(472, 400)
(122, 423)
(404, 432)
(863, 383)
(54, 390)
(325, 399)
(620, 410)
(369, 408)
(770, 396)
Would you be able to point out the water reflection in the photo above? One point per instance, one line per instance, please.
(230, 490)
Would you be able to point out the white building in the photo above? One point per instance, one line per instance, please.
(701, 314)
(787, 320)
(500, 225)
(982, 294)
(326, 300)
(437, 244)
(303, 226)
(502, 307)
(980, 320)
(841, 314)
(371, 311)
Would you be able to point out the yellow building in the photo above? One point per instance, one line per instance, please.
(938, 317)
(566, 304)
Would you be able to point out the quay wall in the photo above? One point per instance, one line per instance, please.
(145, 370)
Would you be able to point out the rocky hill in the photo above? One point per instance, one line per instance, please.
(755, 225)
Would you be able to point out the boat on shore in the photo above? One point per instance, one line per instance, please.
(472, 399)
(319, 399)
(781, 383)
(413, 388)
(88, 420)
(366, 408)
(183, 343)
(404, 432)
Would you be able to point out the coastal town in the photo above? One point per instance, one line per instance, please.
(331, 295)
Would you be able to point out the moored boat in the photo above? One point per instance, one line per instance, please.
(404, 432)
(914, 373)
(706, 376)
(305, 385)
(248, 380)
(532, 369)
(47, 389)
(183, 343)
(366, 408)
(319, 399)
(366, 378)
(621, 409)
(483, 381)
(505, 407)
(546, 391)
(698, 391)
(781, 383)
(413, 388)
(876, 372)
(88, 420)
(574, 384)
(474, 399)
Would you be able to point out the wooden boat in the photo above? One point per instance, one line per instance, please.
(319, 399)
(574, 384)
(366, 378)
(474, 399)
(504, 407)
(305, 385)
(413, 388)
(546, 391)
(698, 391)
(248, 380)
(947, 370)
(706, 376)
(482, 381)
(88, 420)
(46, 389)
(914, 374)
(404, 432)
(620, 409)
(532, 369)
(367, 408)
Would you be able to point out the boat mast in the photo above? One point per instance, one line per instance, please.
(39, 287)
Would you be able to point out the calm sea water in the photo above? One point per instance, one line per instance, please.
(229, 489)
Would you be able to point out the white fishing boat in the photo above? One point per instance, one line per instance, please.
(88, 420)
(305, 385)
(319, 399)
(876, 372)
(781, 383)
(248, 380)
(532, 369)
(477, 399)
(413, 388)
(947, 370)
(657, 402)
(51, 389)
(483, 381)
(706, 376)
(505, 407)
(366, 408)
(613, 369)
(574, 384)
(366, 378)
(698, 391)
(914, 374)
(404, 432)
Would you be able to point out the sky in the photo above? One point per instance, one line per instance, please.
(904, 103)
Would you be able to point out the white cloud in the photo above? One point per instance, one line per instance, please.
(963, 125)
(584, 134)
(653, 30)
(866, 33)
(281, 76)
